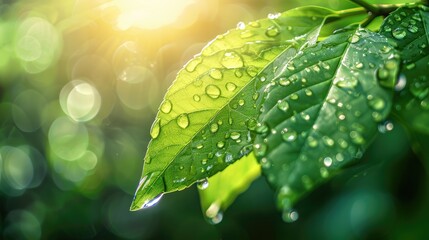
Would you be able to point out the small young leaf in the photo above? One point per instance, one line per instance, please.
(203, 124)
(322, 111)
(222, 188)
(409, 28)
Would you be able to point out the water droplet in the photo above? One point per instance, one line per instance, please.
(272, 31)
(192, 65)
(262, 128)
(216, 74)
(399, 33)
(246, 34)
(156, 128)
(357, 138)
(214, 214)
(274, 15)
(308, 92)
(166, 106)
(387, 126)
(204, 161)
(183, 120)
(401, 82)
(325, 66)
(214, 127)
(327, 161)
(284, 82)
(359, 65)
(213, 91)
(232, 60)
(241, 25)
(376, 103)
(294, 96)
(328, 141)
(220, 144)
(260, 149)
(235, 135)
(251, 124)
(152, 202)
(283, 105)
(354, 39)
(255, 24)
(316, 68)
(252, 71)
(413, 29)
(230, 86)
(290, 66)
(324, 172)
(147, 159)
(203, 184)
(289, 136)
(290, 215)
(312, 142)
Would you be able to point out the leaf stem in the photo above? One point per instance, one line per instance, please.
(369, 7)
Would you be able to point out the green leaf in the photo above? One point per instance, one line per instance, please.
(204, 121)
(322, 111)
(220, 191)
(409, 28)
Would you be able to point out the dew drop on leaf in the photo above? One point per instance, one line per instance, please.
(232, 60)
(327, 161)
(156, 128)
(220, 144)
(272, 31)
(235, 135)
(354, 39)
(399, 33)
(166, 106)
(230, 86)
(251, 124)
(183, 120)
(401, 82)
(413, 29)
(376, 103)
(260, 149)
(216, 74)
(283, 105)
(214, 127)
(197, 98)
(192, 65)
(289, 135)
(213, 91)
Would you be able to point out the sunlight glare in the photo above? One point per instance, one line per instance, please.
(149, 14)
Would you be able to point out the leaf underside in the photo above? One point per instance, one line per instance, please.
(225, 186)
(322, 110)
(206, 119)
(409, 28)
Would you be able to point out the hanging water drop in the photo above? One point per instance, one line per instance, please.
(272, 31)
(152, 202)
(401, 82)
(290, 215)
(203, 184)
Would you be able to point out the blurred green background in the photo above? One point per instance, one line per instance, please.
(80, 84)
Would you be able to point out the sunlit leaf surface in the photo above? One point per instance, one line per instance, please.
(203, 123)
(322, 111)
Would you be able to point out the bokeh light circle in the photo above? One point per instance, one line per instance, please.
(80, 100)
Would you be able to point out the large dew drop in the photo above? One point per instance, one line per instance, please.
(183, 120)
(153, 202)
(290, 215)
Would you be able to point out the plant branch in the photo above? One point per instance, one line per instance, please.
(369, 7)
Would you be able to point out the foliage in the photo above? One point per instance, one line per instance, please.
(306, 91)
